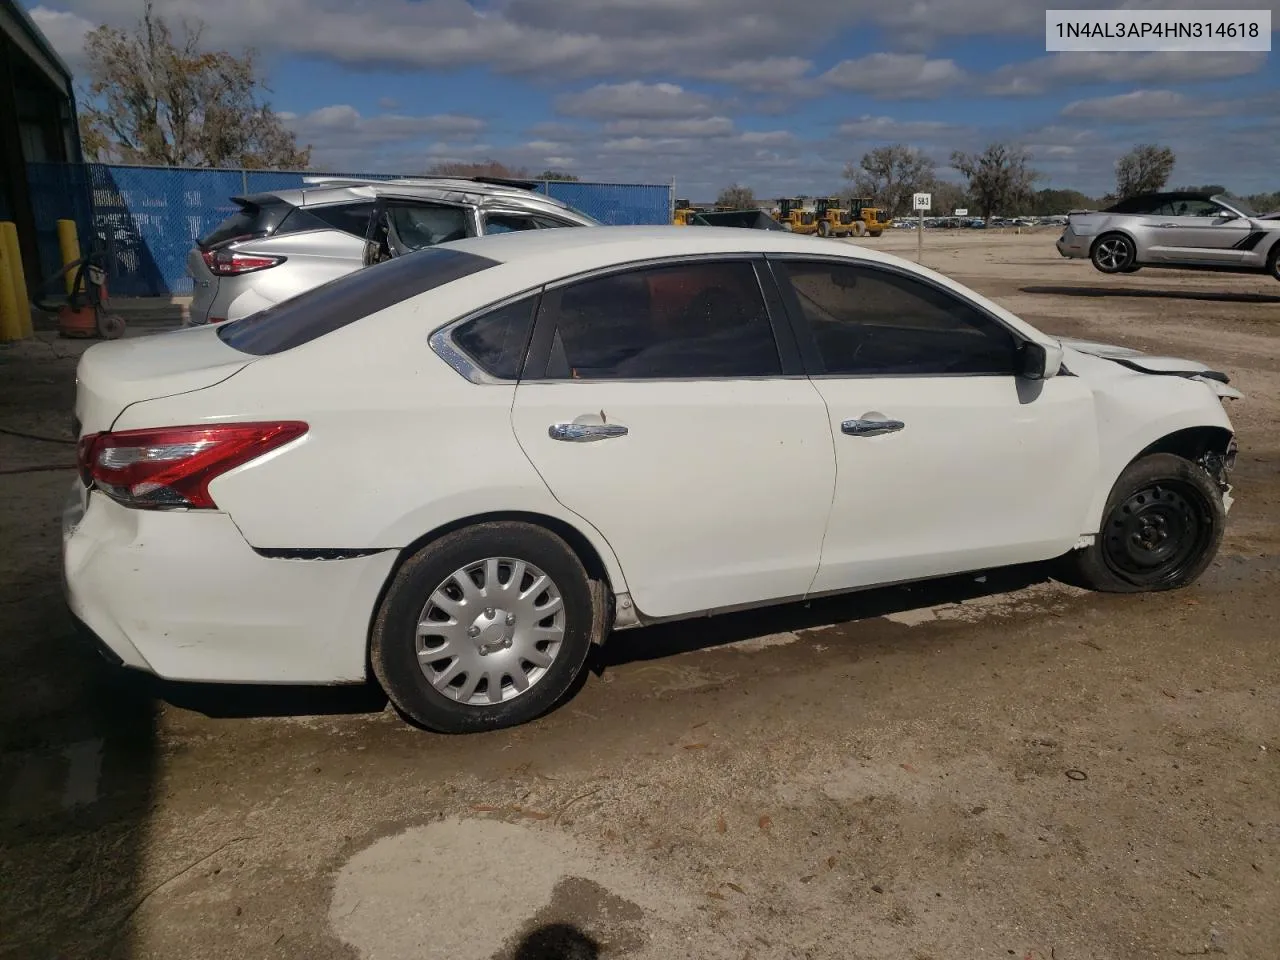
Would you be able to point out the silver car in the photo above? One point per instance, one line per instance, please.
(1188, 231)
(277, 245)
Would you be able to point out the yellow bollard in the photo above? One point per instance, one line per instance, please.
(9, 244)
(69, 242)
(10, 325)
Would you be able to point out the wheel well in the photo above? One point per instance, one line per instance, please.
(1191, 443)
(1111, 233)
(579, 544)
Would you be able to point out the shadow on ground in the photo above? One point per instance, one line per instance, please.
(1182, 293)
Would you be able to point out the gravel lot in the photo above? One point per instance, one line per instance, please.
(981, 767)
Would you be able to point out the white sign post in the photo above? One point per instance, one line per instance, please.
(920, 202)
(962, 211)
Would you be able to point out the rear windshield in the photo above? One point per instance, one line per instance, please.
(252, 219)
(349, 298)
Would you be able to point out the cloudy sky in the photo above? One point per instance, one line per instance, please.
(775, 94)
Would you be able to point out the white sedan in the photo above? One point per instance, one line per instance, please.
(461, 468)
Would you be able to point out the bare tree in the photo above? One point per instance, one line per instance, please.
(948, 197)
(891, 175)
(1144, 169)
(556, 175)
(479, 168)
(737, 197)
(998, 177)
(160, 99)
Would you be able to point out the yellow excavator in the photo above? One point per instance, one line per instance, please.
(792, 215)
(684, 213)
(861, 212)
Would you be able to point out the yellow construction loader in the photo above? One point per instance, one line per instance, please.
(792, 215)
(684, 213)
(832, 220)
(862, 213)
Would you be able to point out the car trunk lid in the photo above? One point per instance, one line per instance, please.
(113, 375)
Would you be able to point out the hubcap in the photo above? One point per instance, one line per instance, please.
(1113, 254)
(1156, 534)
(490, 631)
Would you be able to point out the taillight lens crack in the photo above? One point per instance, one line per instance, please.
(171, 467)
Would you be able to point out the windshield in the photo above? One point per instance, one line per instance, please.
(1235, 203)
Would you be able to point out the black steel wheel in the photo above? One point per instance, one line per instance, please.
(1157, 532)
(1161, 529)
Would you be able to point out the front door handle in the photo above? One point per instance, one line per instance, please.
(585, 432)
(870, 428)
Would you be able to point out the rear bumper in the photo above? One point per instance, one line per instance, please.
(1073, 246)
(181, 594)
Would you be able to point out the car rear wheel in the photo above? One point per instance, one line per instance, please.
(1161, 529)
(485, 628)
(1273, 262)
(1113, 253)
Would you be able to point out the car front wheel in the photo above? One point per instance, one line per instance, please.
(485, 628)
(1113, 253)
(1161, 529)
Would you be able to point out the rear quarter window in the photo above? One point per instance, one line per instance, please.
(331, 306)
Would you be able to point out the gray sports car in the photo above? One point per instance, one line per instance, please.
(1187, 231)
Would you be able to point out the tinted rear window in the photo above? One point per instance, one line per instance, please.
(251, 220)
(333, 305)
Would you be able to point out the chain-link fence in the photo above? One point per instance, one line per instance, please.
(148, 218)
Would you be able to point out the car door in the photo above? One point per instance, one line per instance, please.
(1199, 231)
(665, 404)
(946, 459)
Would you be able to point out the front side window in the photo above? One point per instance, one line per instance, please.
(700, 320)
(867, 321)
(1190, 208)
(419, 225)
(511, 222)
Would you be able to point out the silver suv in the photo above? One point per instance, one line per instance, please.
(277, 245)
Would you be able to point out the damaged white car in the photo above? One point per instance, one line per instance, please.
(460, 468)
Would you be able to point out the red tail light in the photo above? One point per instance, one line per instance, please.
(173, 466)
(227, 263)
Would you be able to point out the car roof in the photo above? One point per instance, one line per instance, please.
(625, 244)
(322, 190)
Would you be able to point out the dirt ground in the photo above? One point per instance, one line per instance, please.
(993, 766)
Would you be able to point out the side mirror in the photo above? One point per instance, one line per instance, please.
(1039, 361)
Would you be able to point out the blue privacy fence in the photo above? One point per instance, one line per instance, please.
(148, 218)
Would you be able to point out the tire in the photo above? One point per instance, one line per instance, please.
(824, 229)
(1273, 262)
(859, 228)
(454, 694)
(1113, 253)
(1161, 529)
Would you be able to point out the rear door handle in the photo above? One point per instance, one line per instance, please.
(585, 432)
(870, 428)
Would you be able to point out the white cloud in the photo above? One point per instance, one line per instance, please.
(1059, 70)
(65, 32)
(895, 75)
(885, 129)
(1145, 105)
(693, 127)
(634, 99)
